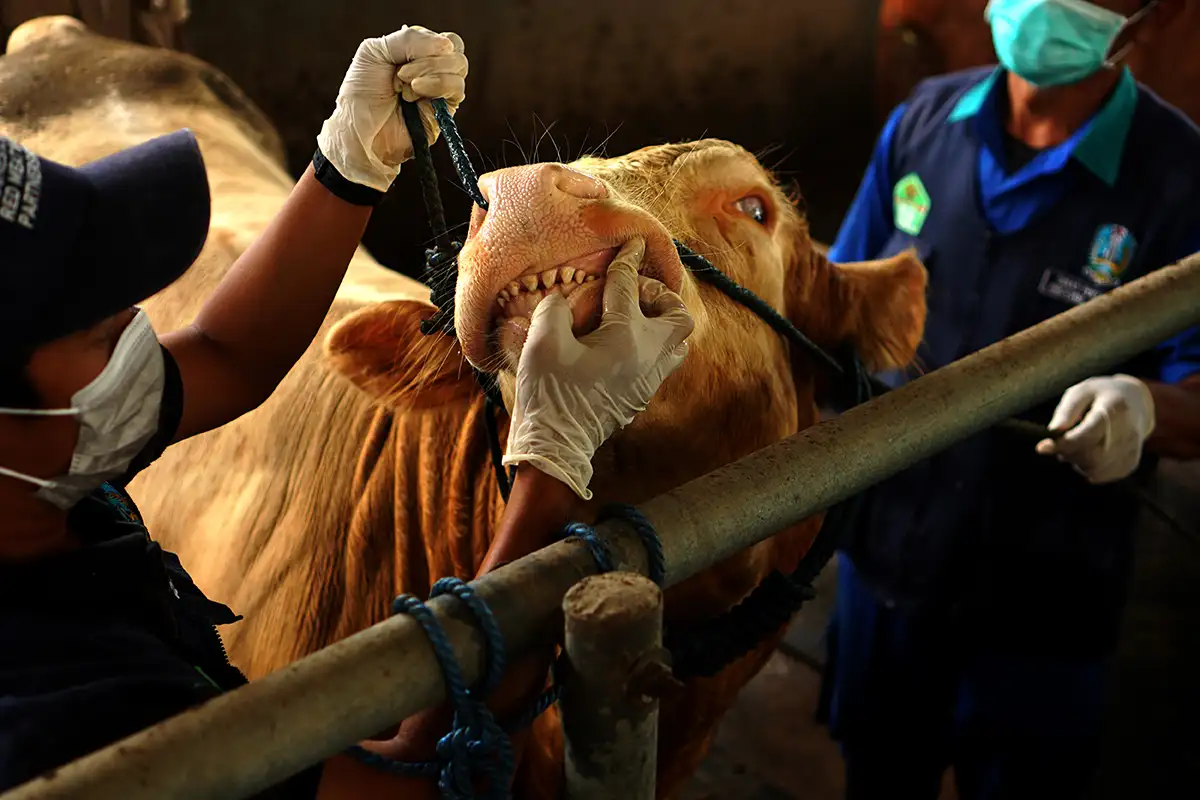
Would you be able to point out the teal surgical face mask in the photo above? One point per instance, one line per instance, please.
(1056, 42)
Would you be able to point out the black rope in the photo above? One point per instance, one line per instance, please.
(703, 269)
(426, 171)
(458, 153)
(441, 260)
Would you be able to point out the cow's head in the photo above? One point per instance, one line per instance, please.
(555, 228)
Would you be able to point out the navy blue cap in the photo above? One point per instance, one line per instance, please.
(78, 245)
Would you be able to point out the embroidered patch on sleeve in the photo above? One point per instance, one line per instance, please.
(911, 204)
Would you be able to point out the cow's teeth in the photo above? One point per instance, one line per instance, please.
(536, 286)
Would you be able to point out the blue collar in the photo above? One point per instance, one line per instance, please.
(1098, 145)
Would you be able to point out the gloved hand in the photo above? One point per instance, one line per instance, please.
(365, 138)
(1109, 419)
(572, 394)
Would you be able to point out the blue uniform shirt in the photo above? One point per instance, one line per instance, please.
(1010, 201)
(1014, 543)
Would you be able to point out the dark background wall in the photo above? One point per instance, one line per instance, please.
(795, 77)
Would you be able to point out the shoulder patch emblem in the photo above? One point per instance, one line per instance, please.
(911, 204)
(1111, 254)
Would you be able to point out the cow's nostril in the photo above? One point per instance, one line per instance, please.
(577, 184)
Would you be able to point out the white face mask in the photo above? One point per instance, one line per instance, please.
(118, 414)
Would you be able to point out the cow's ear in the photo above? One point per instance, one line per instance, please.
(382, 350)
(877, 306)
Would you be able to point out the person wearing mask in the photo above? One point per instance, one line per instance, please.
(980, 595)
(104, 633)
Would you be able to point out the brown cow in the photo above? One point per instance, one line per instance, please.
(554, 228)
(367, 474)
(920, 38)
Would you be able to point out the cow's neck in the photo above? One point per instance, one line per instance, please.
(712, 411)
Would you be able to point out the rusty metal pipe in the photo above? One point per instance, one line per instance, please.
(255, 736)
(609, 702)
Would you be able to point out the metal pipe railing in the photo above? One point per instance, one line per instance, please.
(247, 740)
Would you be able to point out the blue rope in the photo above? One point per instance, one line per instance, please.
(601, 553)
(476, 744)
(603, 557)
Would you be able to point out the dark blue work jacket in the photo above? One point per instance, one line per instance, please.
(101, 641)
(1018, 546)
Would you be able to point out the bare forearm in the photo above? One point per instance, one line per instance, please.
(265, 313)
(1177, 419)
(538, 508)
(343, 778)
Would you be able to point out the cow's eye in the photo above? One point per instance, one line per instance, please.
(753, 207)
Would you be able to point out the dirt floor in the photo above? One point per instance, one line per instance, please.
(769, 748)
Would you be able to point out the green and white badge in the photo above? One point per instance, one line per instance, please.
(911, 203)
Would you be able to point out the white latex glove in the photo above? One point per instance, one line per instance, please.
(1108, 418)
(572, 394)
(365, 138)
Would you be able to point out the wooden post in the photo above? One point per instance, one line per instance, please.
(609, 703)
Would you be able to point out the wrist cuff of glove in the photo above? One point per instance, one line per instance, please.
(353, 193)
(552, 469)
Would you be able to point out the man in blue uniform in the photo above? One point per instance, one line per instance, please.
(980, 597)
